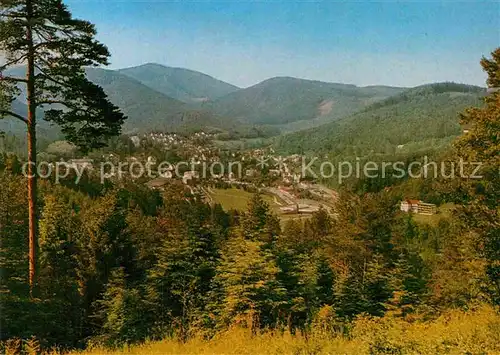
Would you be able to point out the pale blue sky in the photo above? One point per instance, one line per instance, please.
(244, 42)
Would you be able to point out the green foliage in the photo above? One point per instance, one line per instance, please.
(284, 100)
(248, 275)
(122, 264)
(412, 118)
(59, 46)
(120, 311)
(481, 215)
(14, 224)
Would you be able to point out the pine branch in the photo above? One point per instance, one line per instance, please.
(14, 16)
(56, 102)
(13, 114)
(44, 37)
(58, 28)
(12, 62)
(42, 44)
(52, 102)
(48, 77)
(13, 80)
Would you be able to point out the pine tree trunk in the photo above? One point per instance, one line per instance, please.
(32, 178)
(32, 205)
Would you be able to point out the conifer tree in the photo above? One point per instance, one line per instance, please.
(482, 146)
(104, 244)
(58, 282)
(53, 47)
(121, 312)
(258, 223)
(248, 272)
(252, 293)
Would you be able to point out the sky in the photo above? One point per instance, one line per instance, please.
(245, 42)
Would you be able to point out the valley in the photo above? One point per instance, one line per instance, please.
(326, 182)
(295, 115)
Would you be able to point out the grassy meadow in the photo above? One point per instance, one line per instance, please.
(237, 199)
(455, 332)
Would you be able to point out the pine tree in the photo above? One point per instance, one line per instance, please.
(248, 272)
(58, 283)
(258, 223)
(104, 244)
(364, 291)
(179, 283)
(252, 293)
(54, 47)
(321, 224)
(120, 310)
(13, 263)
(481, 145)
(408, 280)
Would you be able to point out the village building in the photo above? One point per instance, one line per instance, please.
(136, 141)
(427, 208)
(417, 206)
(409, 205)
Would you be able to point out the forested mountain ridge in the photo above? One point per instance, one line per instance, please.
(424, 115)
(283, 100)
(146, 108)
(280, 103)
(428, 90)
(182, 84)
(151, 110)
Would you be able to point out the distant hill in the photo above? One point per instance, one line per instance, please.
(14, 126)
(145, 107)
(11, 124)
(182, 84)
(416, 118)
(285, 100)
(149, 110)
(16, 130)
(350, 120)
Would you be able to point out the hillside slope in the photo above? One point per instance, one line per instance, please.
(16, 127)
(144, 106)
(11, 124)
(182, 84)
(148, 109)
(416, 116)
(285, 100)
